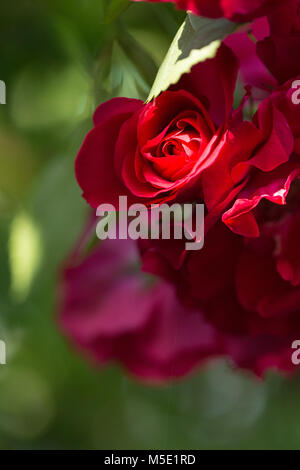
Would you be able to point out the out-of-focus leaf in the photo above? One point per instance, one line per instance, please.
(25, 254)
(45, 97)
(197, 40)
(19, 167)
(124, 69)
(58, 211)
(156, 43)
(139, 57)
(114, 9)
(24, 414)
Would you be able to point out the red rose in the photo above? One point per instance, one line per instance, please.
(278, 116)
(235, 284)
(272, 181)
(241, 292)
(246, 280)
(235, 10)
(113, 313)
(155, 151)
(284, 37)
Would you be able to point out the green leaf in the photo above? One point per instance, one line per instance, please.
(124, 68)
(197, 40)
(114, 9)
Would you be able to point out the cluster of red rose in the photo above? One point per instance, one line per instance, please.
(239, 297)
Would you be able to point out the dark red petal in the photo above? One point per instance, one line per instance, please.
(94, 166)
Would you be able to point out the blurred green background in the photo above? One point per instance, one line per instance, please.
(60, 59)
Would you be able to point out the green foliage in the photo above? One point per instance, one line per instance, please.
(114, 9)
(197, 40)
(123, 69)
(60, 59)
